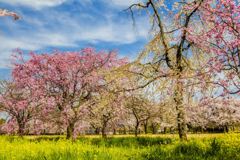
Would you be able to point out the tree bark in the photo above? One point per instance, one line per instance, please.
(226, 129)
(154, 128)
(145, 125)
(178, 92)
(21, 129)
(104, 134)
(181, 119)
(21, 126)
(114, 131)
(136, 129)
(104, 126)
(97, 131)
(70, 130)
(165, 130)
(124, 130)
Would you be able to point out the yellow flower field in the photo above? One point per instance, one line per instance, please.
(199, 146)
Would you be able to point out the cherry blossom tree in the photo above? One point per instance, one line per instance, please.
(170, 48)
(68, 80)
(142, 110)
(183, 29)
(107, 110)
(20, 107)
(213, 113)
(222, 35)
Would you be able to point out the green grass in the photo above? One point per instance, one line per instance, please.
(161, 147)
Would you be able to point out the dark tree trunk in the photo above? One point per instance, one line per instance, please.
(104, 134)
(136, 129)
(145, 125)
(124, 130)
(137, 123)
(97, 130)
(21, 126)
(154, 128)
(21, 129)
(105, 121)
(233, 128)
(114, 131)
(226, 129)
(104, 126)
(165, 130)
(70, 130)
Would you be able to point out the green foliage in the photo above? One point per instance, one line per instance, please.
(128, 141)
(221, 148)
(199, 147)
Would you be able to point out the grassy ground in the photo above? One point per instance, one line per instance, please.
(152, 147)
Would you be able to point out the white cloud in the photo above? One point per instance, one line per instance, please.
(60, 29)
(122, 3)
(8, 44)
(37, 40)
(111, 32)
(31, 42)
(36, 4)
(114, 3)
(39, 4)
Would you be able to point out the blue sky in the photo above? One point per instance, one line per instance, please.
(47, 25)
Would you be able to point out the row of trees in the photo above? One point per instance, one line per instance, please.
(69, 91)
(133, 114)
(88, 92)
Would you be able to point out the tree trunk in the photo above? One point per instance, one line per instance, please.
(145, 125)
(104, 135)
(21, 129)
(154, 128)
(70, 130)
(136, 129)
(164, 130)
(114, 131)
(124, 130)
(104, 126)
(178, 93)
(181, 119)
(233, 128)
(226, 129)
(97, 131)
(21, 126)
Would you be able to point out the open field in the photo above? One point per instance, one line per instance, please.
(154, 147)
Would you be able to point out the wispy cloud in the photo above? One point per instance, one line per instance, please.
(122, 3)
(36, 4)
(63, 28)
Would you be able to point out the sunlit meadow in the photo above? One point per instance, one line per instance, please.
(165, 147)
